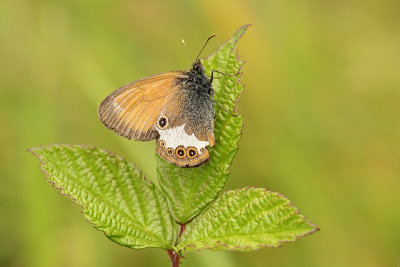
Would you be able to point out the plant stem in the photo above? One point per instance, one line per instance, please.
(175, 258)
(183, 227)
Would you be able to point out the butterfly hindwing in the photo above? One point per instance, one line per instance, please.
(185, 138)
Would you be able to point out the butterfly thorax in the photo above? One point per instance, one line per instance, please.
(195, 79)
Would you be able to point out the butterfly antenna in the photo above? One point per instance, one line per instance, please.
(187, 51)
(233, 114)
(205, 46)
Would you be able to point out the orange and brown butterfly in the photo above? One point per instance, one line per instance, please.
(175, 108)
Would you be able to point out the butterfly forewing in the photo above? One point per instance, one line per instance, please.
(132, 110)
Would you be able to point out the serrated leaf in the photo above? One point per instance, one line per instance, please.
(189, 191)
(115, 196)
(245, 219)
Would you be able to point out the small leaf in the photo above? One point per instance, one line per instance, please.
(245, 219)
(115, 196)
(189, 191)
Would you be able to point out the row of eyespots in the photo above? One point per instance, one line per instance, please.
(180, 151)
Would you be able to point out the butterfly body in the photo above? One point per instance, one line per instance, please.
(175, 108)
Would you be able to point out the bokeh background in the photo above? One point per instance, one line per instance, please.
(321, 110)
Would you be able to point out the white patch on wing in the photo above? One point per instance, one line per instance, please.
(177, 136)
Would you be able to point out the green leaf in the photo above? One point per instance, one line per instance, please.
(189, 191)
(115, 196)
(245, 219)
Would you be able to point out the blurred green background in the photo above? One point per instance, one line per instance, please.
(321, 110)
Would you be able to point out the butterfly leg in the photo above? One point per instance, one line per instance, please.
(223, 74)
(211, 79)
(223, 108)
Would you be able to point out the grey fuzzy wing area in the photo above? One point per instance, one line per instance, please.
(199, 113)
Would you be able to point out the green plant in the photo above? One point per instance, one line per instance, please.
(188, 212)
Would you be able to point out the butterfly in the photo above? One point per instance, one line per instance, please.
(175, 108)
